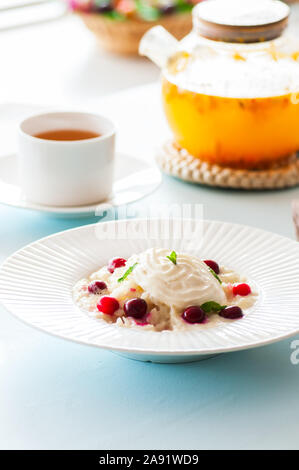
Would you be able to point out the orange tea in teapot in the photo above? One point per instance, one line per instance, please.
(226, 121)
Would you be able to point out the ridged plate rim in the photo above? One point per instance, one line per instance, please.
(12, 300)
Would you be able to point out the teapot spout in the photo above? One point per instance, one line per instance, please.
(158, 45)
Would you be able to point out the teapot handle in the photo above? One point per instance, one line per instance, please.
(158, 45)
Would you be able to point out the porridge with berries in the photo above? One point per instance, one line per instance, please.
(160, 289)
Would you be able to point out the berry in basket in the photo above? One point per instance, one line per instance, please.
(148, 10)
(120, 24)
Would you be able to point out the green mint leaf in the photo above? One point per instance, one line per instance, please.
(215, 275)
(128, 271)
(114, 15)
(211, 306)
(184, 8)
(172, 257)
(146, 11)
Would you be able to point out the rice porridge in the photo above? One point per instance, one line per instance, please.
(160, 289)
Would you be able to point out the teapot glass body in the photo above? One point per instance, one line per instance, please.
(234, 104)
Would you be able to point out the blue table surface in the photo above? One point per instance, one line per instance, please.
(56, 394)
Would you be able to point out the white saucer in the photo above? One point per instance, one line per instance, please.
(134, 179)
(36, 285)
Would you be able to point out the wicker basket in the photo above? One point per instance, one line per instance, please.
(123, 37)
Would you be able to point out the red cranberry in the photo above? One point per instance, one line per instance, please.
(108, 305)
(135, 308)
(242, 289)
(116, 263)
(141, 323)
(232, 313)
(194, 315)
(96, 287)
(213, 265)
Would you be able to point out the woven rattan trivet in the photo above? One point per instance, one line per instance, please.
(178, 162)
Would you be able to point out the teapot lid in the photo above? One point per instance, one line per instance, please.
(242, 21)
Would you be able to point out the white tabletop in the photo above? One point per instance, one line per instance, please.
(61, 63)
(56, 394)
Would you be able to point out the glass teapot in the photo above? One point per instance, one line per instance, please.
(230, 88)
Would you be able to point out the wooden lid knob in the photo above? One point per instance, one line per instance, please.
(241, 20)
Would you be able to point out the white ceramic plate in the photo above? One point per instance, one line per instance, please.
(134, 179)
(36, 286)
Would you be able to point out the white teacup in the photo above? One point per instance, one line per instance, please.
(66, 172)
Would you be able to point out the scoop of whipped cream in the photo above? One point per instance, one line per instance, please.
(188, 282)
